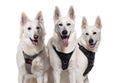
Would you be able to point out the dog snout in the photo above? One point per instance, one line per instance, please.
(64, 32)
(35, 36)
(91, 41)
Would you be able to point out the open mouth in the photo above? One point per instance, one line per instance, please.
(92, 45)
(34, 41)
(65, 40)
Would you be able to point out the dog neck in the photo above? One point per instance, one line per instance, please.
(30, 49)
(82, 42)
(58, 43)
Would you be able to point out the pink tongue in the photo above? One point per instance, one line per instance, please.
(35, 43)
(65, 42)
(91, 46)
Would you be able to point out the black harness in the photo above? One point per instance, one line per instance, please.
(90, 56)
(64, 57)
(28, 61)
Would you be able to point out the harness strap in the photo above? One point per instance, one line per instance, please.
(64, 57)
(90, 56)
(28, 61)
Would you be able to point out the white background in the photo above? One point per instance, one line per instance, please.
(107, 62)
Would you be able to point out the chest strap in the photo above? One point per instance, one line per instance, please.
(64, 57)
(90, 56)
(28, 61)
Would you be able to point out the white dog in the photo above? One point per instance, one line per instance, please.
(32, 59)
(87, 46)
(62, 49)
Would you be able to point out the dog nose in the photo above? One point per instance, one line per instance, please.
(91, 41)
(35, 36)
(64, 32)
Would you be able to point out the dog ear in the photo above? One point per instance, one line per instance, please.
(98, 22)
(24, 19)
(39, 17)
(56, 13)
(84, 23)
(71, 12)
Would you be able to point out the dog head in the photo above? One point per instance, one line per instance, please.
(64, 26)
(91, 34)
(32, 31)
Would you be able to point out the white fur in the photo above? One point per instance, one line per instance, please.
(84, 41)
(40, 63)
(56, 73)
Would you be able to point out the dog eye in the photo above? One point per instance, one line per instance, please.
(37, 27)
(68, 24)
(94, 33)
(29, 28)
(60, 24)
(86, 34)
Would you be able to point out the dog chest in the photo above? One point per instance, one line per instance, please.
(90, 57)
(28, 61)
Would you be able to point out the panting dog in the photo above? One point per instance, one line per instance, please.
(32, 58)
(87, 46)
(62, 49)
